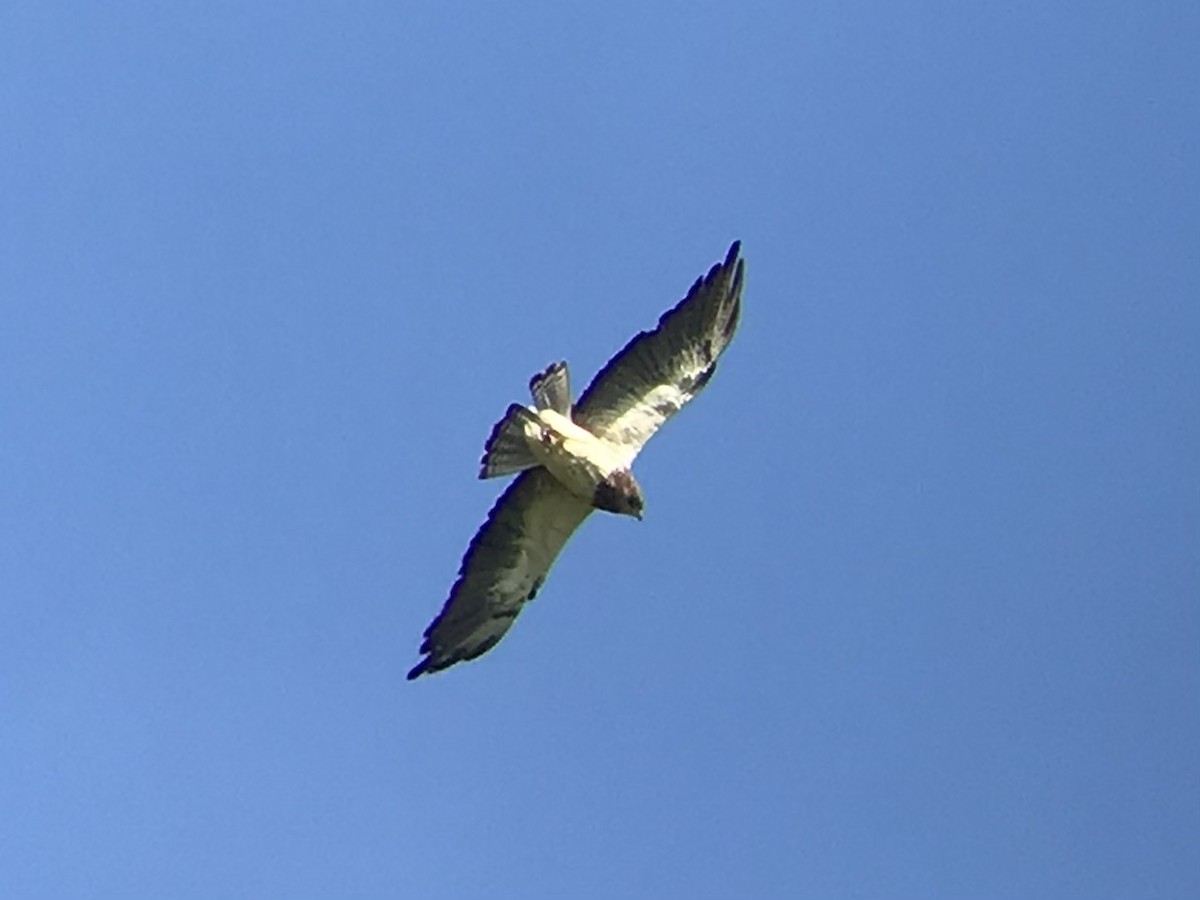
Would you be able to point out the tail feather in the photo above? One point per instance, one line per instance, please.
(551, 389)
(506, 450)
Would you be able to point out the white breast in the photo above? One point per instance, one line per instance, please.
(571, 453)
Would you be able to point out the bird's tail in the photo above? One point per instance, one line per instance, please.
(507, 450)
(551, 389)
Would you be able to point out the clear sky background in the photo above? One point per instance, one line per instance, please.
(915, 610)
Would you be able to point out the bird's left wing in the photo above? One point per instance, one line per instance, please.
(659, 371)
(504, 566)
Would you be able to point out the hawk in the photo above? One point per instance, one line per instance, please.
(573, 459)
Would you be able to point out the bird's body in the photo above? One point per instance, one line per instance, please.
(571, 453)
(574, 458)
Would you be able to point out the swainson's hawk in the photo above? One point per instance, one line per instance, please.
(572, 460)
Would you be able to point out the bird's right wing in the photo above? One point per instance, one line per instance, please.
(504, 566)
(660, 371)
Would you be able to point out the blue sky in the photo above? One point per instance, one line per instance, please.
(915, 610)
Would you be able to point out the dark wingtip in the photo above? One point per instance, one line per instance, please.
(732, 258)
(719, 269)
(419, 669)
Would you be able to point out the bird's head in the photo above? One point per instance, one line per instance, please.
(619, 493)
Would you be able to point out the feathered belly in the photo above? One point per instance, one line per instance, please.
(573, 455)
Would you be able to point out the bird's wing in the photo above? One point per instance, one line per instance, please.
(504, 566)
(659, 371)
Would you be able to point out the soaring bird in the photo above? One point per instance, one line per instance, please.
(573, 459)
